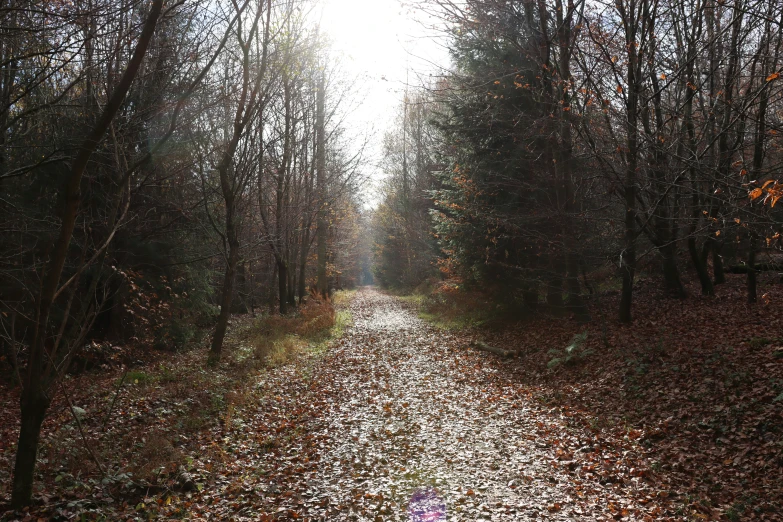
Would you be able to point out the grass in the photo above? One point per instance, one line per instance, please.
(275, 340)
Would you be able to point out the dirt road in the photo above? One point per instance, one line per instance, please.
(402, 405)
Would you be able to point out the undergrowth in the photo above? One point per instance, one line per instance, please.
(147, 423)
(450, 307)
(276, 339)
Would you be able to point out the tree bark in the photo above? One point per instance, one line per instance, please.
(302, 288)
(230, 186)
(33, 411)
(565, 22)
(554, 291)
(628, 255)
(752, 272)
(282, 280)
(671, 273)
(321, 225)
(699, 263)
(226, 300)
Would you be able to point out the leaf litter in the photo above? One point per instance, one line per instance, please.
(393, 406)
(398, 405)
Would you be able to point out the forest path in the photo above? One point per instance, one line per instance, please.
(403, 405)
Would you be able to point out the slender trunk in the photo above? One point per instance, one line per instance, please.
(231, 185)
(671, 273)
(664, 231)
(554, 293)
(718, 273)
(35, 403)
(751, 276)
(725, 150)
(271, 287)
(226, 299)
(565, 22)
(282, 280)
(321, 225)
(302, 288)
(769, 63)
(628, 255)
(576, 303)
(291, 290)
(530, 297)
(629, 259)
(699, 264)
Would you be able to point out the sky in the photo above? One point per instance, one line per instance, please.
(382, 45)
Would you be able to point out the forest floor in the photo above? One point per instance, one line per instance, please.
(676, 420)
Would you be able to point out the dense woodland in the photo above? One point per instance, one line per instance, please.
(575, 138)
(168, 164)
(163, 164)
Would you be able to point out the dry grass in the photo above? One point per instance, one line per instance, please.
(277, 339)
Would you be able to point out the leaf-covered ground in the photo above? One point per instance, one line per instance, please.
(396, 404)
(401, 405)
(698, 384)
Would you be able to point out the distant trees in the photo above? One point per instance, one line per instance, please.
(575, 135)
(405, 249)
(157, 166)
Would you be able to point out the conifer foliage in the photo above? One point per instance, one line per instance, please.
(578, 138)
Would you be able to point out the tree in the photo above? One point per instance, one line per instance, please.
(40, 374)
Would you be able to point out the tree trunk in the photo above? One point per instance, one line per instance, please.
(226, 300)
(701, 267)
(271, 287)
(302, 287)
(718, 274)
(33, 411)
(321, 225)
(576, 304)
(291, 286)
(554, 291)
(671, 273)
(628, 255)
(282, 280)
(626, 295)
(752, 273)
(713, 247)
(530, 297)
(230, 187)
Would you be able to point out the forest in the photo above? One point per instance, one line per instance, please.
(555, 294)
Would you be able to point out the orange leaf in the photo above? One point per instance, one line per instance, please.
(755, 193)
(773, 76)
(620, 89)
